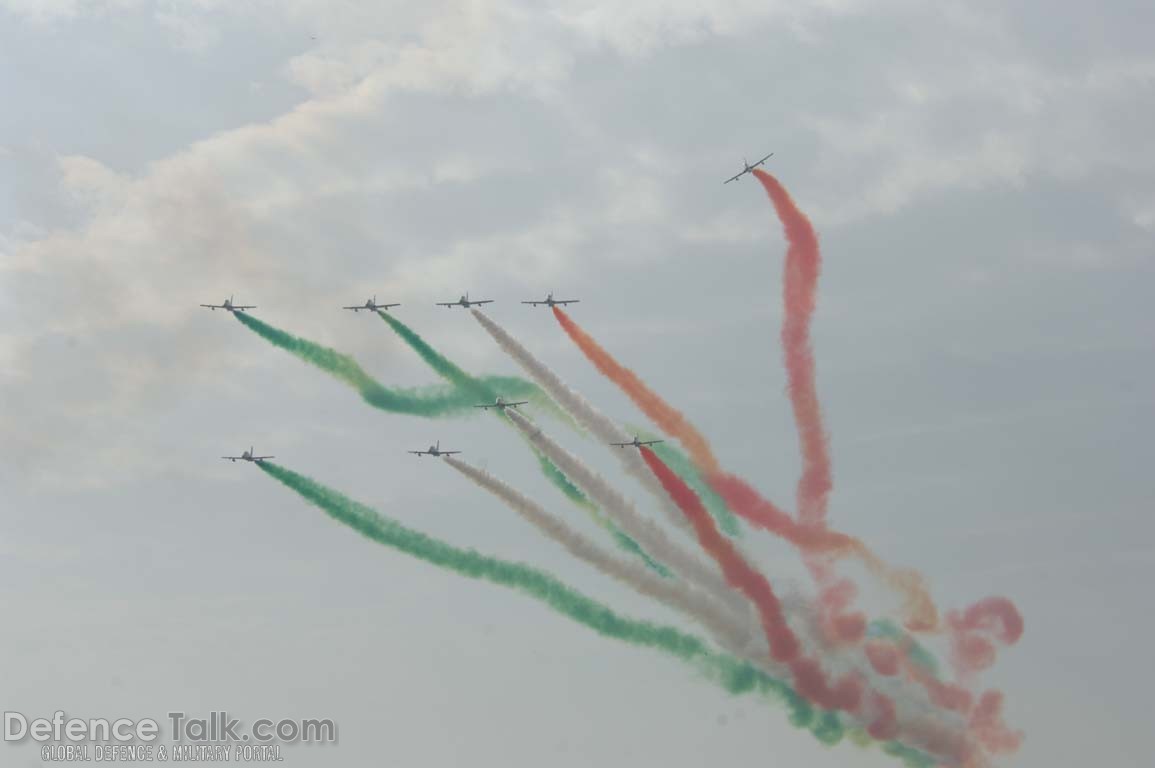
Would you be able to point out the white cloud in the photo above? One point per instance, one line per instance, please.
(268, 204)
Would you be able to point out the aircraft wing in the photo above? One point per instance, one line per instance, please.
(519, 402)
(764, 159)
(487, 405)
(535, 303)
(483, 301)
(232, 458)
(621, 444)
(418, 453)
(650, 442)
(446, 453)
(244, 306)
(353, 308)
(733, 178)
(213, 306)
(567, 301)
(386, 306)
(262, 458)
(446, 303)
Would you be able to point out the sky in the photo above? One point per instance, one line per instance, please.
(982, 179)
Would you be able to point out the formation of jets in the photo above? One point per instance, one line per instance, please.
(434, 450)
(464, 301)
(550, 301)
(748, 168)
(636, 443)
(501, 404)
(371, 305)
(248, 456)
(229, 305)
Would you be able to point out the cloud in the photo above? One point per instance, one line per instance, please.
(452, 146)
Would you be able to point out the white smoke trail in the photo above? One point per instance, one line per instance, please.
(648, 535)
(599, 425)
(729, 633)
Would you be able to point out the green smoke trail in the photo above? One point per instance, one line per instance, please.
(912, 757)
(685, 469)
(558, 478)
(735, 675)
(425, 401)
(478, 390)
(485, 390)
(485, 393)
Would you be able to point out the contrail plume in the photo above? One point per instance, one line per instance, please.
(486, 393)
(730, 634)
(600, 426)
(426, 401)
(651, 538)
(734, 675)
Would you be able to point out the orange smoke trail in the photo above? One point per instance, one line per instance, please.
(669, 419)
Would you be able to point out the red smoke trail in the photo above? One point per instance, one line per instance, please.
(849, 693)
(988, 727)
(740, 496)
(799, 295)
(784, 646)
(971, 630)
(799, 287)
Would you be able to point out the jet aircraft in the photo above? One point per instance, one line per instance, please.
(550, 301)
(371, 305)
(434, 450)
(248, 456)
(229, 305)
(636, 443)
(501, 404)
(464, 301)
(748, 168)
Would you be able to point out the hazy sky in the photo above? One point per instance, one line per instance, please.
(982, 177)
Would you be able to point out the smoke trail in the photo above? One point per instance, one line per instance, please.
(678, 461)
(600, 426)
(799, 288)
(426, 401)
(885, 628)
(972, 649)
(784, 645)
(721, 624)
(800, 282)
(668, 419)
(734, 675)
(481, 390)
(651, 538)
(740, 496)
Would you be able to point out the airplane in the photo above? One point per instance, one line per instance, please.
(248, 456)
(229, 305)
(636, 443)
(748, 168)
(550, 301)
(371, 305)
(434, 450)
(464, 301)
(502, 404)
